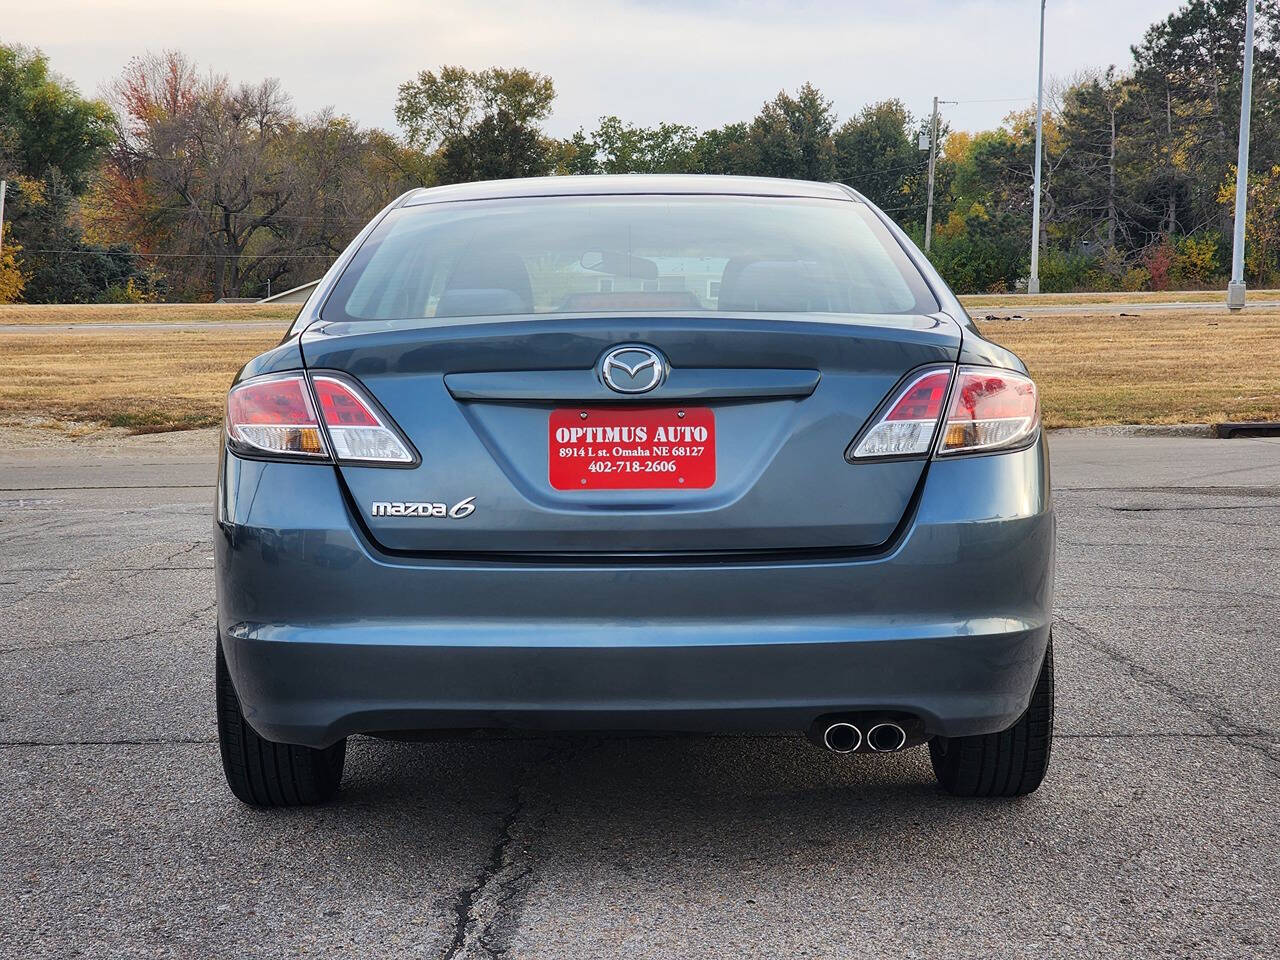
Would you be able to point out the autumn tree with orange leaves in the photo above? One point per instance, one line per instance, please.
(228, 186)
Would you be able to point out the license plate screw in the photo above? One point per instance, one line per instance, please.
(680, 414)
(582, 415)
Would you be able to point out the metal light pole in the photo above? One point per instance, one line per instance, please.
(4, 185)
(1236, 288)
(1033, 281)
(933, 162)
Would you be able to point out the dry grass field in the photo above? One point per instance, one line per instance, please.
(56, 314)
(1187, 366)
(143, 380)
(1178, 367)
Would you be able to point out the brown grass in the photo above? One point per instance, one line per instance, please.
(1178, 367)
(25, 314)
(144, 380)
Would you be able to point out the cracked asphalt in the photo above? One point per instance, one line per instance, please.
(1156, 833)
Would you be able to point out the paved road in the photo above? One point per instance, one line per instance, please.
(1157, 832)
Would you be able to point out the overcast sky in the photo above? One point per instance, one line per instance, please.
(702, 63)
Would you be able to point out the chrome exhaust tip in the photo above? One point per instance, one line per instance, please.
(886, 738)
(842, 737)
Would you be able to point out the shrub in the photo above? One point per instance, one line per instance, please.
(1195, 260)
(1135, 279)
(1063, 272)
(1157, 260)
(128, 292)
(989, 255)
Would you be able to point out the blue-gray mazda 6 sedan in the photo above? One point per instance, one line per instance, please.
(634, 453)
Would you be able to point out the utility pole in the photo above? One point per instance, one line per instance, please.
(1236, 288)
(1033, 281)
(4, 186)
(933, 162)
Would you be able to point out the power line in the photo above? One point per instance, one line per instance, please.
(197, 256)
(995, 100)
(132, 211)
(129, 209)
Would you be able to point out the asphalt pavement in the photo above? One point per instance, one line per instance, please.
(1156, 833)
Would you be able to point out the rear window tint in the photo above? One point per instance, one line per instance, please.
(608, 254)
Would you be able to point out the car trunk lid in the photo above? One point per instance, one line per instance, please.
(481, 399)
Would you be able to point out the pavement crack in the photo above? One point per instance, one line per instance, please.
(487, 913)
(1201, 491)
(1255, 739)
(152, 631)
(1187, 509)
(489, 890)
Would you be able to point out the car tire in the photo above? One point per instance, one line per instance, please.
(263, 773)
(1011, 763)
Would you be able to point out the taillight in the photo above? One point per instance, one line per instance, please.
(273, 414)
(907, 428)
(355, 429)
(990, 410)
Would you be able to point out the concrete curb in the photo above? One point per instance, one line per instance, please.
(1199, 430)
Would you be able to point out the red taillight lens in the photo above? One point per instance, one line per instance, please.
(355, 429)
(274, 414)
(922, 400)
(908, 427)
(990, 410)
(341, 407)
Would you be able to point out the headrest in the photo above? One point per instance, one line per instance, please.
(785, 286)
(494, 301)
(496, 270)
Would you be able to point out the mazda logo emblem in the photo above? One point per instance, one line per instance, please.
(632, 369)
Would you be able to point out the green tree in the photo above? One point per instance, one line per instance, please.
(877, 153)
(1091, 187)
(58, 266)
(725, 150)
(479, 124)
(1187, 70)
(791, 137)
(45, 124)
(619, 147)
(51, 141)
(498, 146)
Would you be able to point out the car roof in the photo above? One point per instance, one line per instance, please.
(628, 183)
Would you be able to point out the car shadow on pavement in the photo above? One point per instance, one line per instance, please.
(654, 788)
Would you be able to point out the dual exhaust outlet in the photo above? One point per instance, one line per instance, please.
(845, 737)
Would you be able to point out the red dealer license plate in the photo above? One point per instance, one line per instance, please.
(642, 449)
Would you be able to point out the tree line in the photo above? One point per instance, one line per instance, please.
(180, 184)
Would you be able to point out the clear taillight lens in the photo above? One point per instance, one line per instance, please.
(990, 410)
(274, 415)
(908, 427)
(355, 429)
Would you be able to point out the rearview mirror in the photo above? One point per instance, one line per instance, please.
(619, 265)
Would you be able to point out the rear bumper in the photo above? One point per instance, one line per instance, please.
(325, 636)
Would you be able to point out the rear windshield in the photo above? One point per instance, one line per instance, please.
(608, 254)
